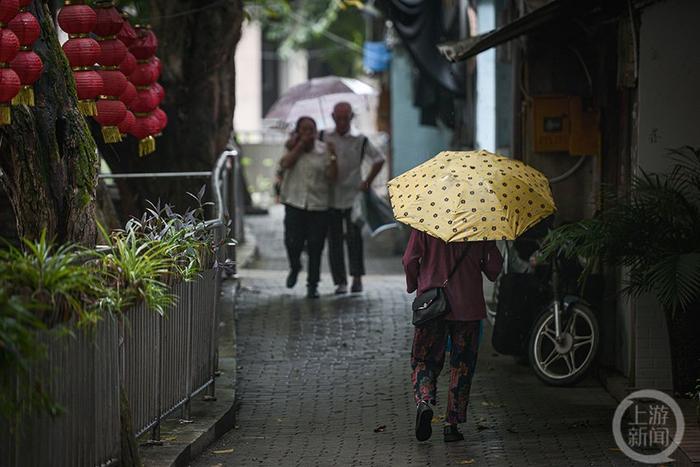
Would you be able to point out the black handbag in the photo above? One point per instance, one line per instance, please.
(433, 302)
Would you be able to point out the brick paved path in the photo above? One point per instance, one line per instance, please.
(318, 378)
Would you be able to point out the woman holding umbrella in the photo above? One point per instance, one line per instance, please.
(310, 167)
(458, 204)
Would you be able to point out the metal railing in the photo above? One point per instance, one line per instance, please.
(165, 362)
(161, 362)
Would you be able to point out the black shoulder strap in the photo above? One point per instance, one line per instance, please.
(320, 135)
(364, 146)
(459, 261)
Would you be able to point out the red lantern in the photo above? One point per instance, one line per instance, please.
(128, 34)
(160, 91)
(146, 102)
(28, 66)
(82, 52)
(89, 86)
(159, 65)
(77, 19)
(162, 119)
(146, 73)
(126, 124)
(109, 20)
(8, 10)
(26, 27)
(110, 113)
(145, 46)
(9, 87)
(113, 52)
(128, 65)
(9, 45)
(143, 129)
(114, 83)
(129, 95)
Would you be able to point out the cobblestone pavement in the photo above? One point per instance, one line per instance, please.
(326, 383)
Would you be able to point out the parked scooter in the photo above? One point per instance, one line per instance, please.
(538, 314)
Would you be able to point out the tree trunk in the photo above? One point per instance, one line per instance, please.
(197, 48)
(47, 154)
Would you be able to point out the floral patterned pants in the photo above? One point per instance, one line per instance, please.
(428, 358)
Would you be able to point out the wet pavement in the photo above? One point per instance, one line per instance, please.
(326, 383)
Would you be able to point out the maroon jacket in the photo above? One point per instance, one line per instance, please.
(428, 261)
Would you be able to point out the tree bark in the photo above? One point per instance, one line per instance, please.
(47, 155)
(197, 47)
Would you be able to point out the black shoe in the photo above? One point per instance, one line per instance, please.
(452, 434)
(292, 278)
(424, 418)
(312, 293)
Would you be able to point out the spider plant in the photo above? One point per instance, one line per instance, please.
(193, 241)
(137, 268)
(54, 277)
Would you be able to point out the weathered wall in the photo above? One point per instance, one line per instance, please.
(669, 73)
(412, 143)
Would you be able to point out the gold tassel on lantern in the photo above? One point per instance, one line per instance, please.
(111, 134)
(88, 108)
(25, 97)
(5, 115)
(147, 146)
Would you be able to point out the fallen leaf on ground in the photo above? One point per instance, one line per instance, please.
(437, 419)
(168, 438)
(482, 427)
(380, 429)
(467, 461)
(223, 451)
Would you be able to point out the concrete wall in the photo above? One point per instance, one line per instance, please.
(411, 142)
(486, 80)
(248, 115)
(669, 73)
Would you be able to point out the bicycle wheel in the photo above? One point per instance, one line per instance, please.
(565, 361)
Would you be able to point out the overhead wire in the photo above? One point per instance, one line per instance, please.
(188, 12)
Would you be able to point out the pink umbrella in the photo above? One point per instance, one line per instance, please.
(317, 97)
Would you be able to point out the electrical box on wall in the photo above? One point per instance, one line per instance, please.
(562, 125)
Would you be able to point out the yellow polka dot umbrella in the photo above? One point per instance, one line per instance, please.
(471, 196)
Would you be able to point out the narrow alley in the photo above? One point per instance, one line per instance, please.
(326, 383)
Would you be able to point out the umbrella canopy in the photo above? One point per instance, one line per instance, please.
(471, 196)
(317, 97)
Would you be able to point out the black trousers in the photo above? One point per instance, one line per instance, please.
(341, 230)
(304, 227)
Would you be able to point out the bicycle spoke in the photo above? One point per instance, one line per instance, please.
(569, 359)
(551, 358)
(550, 334)
(583, 341)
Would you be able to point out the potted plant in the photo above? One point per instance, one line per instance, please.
(654, 232)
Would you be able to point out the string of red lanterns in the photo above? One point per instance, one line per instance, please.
(27, 63)
(111, 111)
(144, 77)
(78, 21)
(9, 47)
